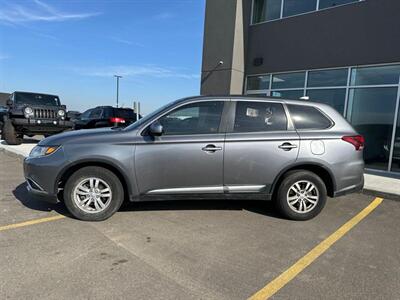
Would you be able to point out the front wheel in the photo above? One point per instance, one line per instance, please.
(93, 194)
(9, 134)
(301, 195)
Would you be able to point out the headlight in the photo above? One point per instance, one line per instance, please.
(28, 112)
(61, 113)
(38, 151)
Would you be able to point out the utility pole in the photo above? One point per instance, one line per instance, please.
(118, 77)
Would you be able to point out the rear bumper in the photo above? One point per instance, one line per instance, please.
(47, 125)
(351, 189)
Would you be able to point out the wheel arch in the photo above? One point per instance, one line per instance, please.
(72, 168)
(322, 171)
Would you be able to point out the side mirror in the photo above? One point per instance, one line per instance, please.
(156, 129)
(9, 102)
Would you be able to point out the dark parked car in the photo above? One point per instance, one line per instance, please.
(295, 153)
(31, 114)
(105, 116)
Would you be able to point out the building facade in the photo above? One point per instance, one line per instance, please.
(345, 53)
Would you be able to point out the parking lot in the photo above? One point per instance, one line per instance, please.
(193, 249)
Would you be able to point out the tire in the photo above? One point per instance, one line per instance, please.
(77, 186)
(9, 135)
(302, 205)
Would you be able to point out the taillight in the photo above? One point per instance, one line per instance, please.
(117, 120)
(357, 141)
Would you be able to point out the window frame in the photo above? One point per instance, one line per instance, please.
(144, 131)
(317, 9)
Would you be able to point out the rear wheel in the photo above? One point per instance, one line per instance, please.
(9, 135)
(301, 195)
(93, 194)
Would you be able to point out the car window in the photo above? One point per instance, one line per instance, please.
(194, 118)
(308, 117)
(125, 113)
(85, 115)
(259, 116)
(96, 113)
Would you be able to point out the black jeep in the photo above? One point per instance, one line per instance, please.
(31, 114)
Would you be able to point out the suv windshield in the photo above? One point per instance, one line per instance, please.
(36, 99)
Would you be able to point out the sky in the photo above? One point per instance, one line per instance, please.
(72, 48)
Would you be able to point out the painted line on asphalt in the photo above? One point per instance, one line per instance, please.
(280, 281)
(32, 222)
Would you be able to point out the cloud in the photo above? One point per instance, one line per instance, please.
(126, 42)
(38, 12)
(135, 71)
(3, 56)
(163, 16)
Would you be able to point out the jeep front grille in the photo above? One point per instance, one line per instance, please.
(44, 114)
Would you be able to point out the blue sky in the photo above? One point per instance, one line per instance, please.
(72, 48)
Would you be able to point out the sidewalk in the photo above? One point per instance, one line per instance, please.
(380, 186)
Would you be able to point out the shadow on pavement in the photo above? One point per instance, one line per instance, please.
(266, 208)
(260, 207)
(32, 201)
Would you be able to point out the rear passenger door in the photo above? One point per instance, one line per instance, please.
(260, 142)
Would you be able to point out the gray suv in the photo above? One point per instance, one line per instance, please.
(295, 153)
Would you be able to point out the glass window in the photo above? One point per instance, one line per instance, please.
(258, 82)
(371, 112)
(308, 117)
(333, 3)
(375, 75)
(332, 97)
(321, 78)
(295, 7)
(291, 94)
(95, 113)
(259, 116)
(86, 114)
(288, 80)
(265, 10)
(195, 118)
(36, 99)
(396, 149)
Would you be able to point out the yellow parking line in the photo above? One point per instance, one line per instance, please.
(280, 281)
(32, 222)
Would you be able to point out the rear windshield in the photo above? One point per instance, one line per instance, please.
(124, 113)
(308, 117)
(36, 99)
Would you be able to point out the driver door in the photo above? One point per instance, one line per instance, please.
(188, 157)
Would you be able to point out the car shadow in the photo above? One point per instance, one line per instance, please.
(260, 207)
(266, 208)
(33, 202)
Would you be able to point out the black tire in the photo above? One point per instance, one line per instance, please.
(9, 135)
(108, 177)
(291, 211)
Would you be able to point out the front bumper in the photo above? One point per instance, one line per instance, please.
(43, 125)
(42, 174)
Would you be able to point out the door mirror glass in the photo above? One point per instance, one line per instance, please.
(156, 129)
(9, 102)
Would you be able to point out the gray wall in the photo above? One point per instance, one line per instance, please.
(223, 41)
(362, 33)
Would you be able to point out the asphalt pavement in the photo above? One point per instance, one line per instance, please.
(192, 249)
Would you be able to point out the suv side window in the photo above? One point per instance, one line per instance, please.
(96, 113)
(308, 117)
(259, 116)
(194, 118)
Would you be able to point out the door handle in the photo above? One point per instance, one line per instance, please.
(287, 146)
(211, 148)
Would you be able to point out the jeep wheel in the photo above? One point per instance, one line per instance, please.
(301, 195)
(9, 135)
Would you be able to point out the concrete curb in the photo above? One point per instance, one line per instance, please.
(12, 154)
